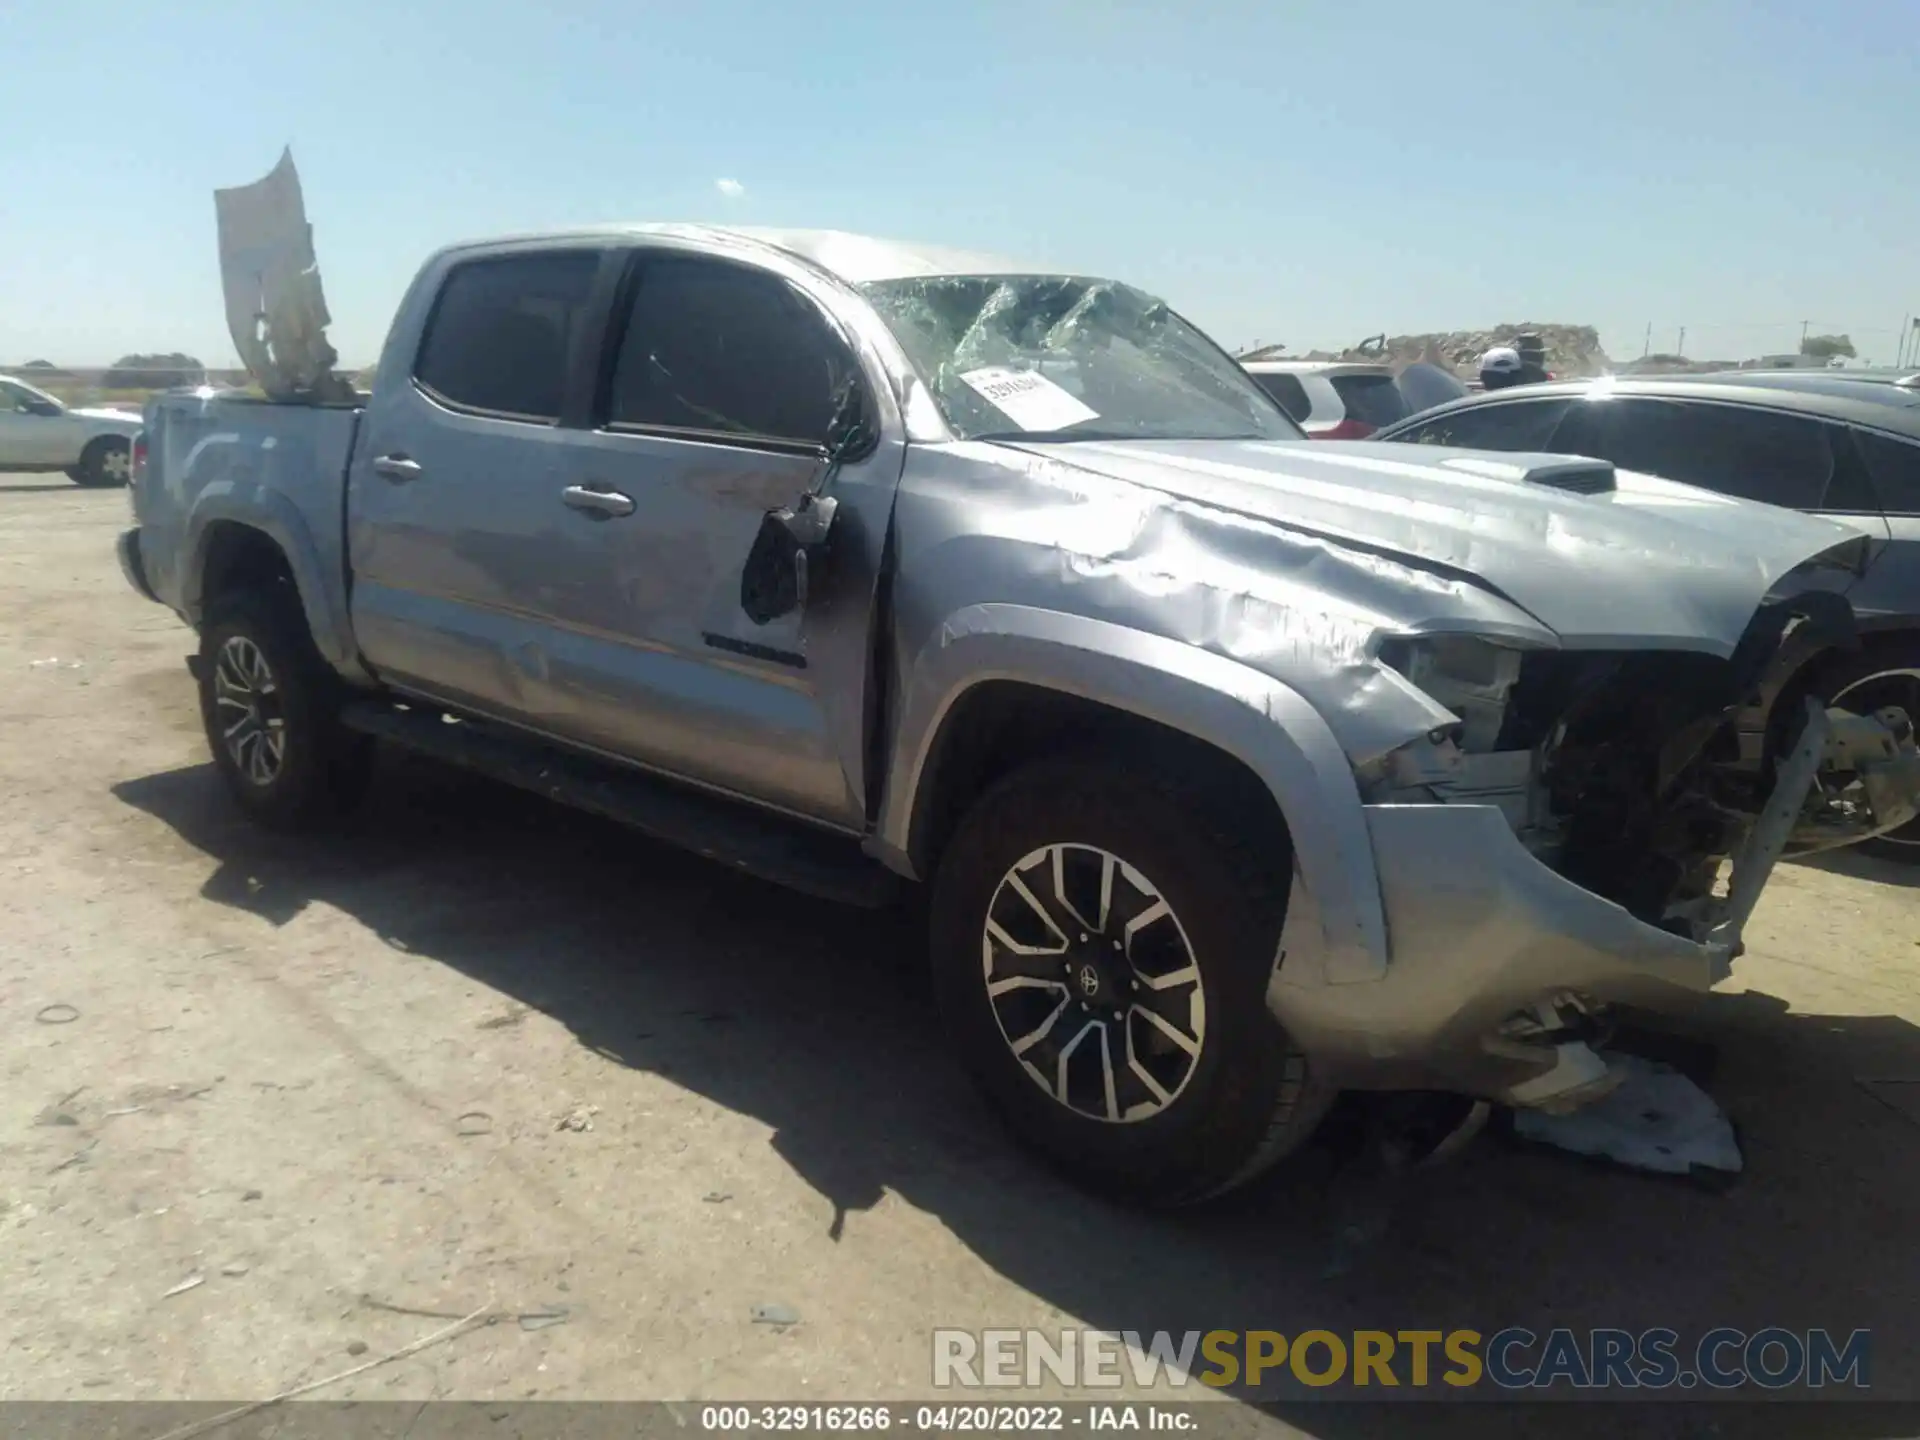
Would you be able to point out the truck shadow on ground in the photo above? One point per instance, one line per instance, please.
(816, 1022)
(1863, 867)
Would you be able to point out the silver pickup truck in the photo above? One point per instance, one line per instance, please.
(1240, 770)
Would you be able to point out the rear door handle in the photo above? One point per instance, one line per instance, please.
(602, 504)
(397, 468)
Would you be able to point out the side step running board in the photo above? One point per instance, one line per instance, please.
(786, 852)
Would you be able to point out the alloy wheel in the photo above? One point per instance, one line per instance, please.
(247, 703)
(1093, 983)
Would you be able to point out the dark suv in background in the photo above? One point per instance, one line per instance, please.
(1824, 443)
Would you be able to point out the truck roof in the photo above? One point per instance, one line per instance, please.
(855, 259)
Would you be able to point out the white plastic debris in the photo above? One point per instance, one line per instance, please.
(1656, 1119)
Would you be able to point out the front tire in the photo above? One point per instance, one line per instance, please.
(271, 709)
(1102, 948)
(1885, 674)
(106, 463)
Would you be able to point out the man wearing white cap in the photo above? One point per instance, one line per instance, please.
(1500, 367)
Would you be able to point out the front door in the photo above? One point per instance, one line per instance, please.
(723, 384)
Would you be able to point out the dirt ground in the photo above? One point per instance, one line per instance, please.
(272, 1109)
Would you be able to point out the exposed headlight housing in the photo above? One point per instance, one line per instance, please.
(1469, 675)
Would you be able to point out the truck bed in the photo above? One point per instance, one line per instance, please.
(277, 466)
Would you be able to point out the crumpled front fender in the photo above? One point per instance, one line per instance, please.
(1253, 717)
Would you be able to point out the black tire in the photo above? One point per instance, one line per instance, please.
(104, 464)
(1886, 673)
(1248, 1097)
(323, 768)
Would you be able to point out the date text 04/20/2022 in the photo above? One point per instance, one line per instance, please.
(947, 1418)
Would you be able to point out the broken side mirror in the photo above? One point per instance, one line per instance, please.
(774, 581)
(793, 538)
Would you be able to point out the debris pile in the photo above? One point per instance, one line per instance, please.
(1572, 350)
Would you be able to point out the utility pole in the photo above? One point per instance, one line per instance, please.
(1681, 348)
(1647, 348)
(1803, 335)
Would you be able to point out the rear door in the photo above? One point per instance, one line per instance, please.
(720, 384)
(1748, 451)
(1892, 464)
(461, 548)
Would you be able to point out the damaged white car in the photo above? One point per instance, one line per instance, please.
(1242, 769)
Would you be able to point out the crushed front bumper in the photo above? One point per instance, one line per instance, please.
(1489, 949)
(1478, 930)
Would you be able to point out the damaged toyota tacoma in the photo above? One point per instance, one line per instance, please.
(1239, 770)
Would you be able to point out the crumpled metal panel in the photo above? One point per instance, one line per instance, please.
(1649, 565)
(1035, 530)
(1297, 565)
(276, 311)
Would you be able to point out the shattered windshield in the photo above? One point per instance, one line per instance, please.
(1062, 357)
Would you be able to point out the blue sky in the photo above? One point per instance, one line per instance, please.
(1306, 171)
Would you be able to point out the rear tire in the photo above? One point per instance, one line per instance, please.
(1884, 674)
(1169, 1108)
(271, 707)
(106, 463)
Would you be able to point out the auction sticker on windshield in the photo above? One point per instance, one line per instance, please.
(1028, 398)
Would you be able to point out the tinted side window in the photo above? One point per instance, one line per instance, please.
(1513, 425)
(1895, 467)
(1374, 399)
(1851, 489)
(502, 331)
(1287, 394)
(1750, 453)
(1586, 430)
(720, 349)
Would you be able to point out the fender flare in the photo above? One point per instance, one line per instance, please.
(262, 509)
(1266, 725)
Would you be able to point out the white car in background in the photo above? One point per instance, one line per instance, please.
(1342, 400)
(38, 432)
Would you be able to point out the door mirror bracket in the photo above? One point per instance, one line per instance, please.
(793, 539)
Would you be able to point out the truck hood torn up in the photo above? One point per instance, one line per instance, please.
(1621, 560)
(1617, 662)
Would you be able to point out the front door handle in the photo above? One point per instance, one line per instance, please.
(602, 504)
(397, 468)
